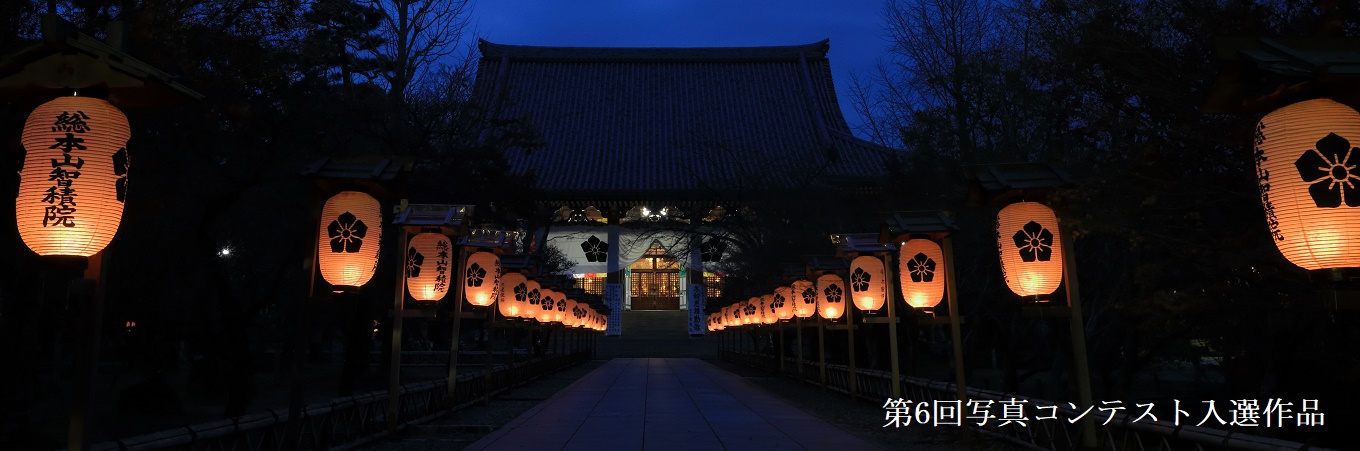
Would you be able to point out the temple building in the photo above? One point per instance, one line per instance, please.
(644, 146)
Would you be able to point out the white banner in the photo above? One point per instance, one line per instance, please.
(591, 248)
(613, 298)
(697, 299)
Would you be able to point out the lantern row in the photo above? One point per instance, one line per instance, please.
(348, 238)
(1029, 246)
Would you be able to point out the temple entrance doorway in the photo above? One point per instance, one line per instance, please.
(655, 280)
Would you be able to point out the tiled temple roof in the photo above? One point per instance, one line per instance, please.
(620, 122)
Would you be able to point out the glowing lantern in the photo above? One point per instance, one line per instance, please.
(804, 298)
(514, 295)
(427, 266)
(566, 313)
(1308, 169)
(351, 228)
(533, 300)
(750, 312)
(482, 278)
(581, 312)
(1030, 245)
(74, 176)
(783, 301)
(767, 313)
(560, 310)
(830, 296)
(547, 306)
(920, 273)
(868, 283)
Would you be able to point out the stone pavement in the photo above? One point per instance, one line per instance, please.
(666, 404)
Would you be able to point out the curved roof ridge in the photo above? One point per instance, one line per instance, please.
(850, 138)
(765, 53)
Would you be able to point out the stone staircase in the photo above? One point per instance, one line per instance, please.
(656, 333)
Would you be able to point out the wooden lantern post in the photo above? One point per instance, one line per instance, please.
(832, 303)
(481, 284)
(1029, 241)
(428, 276)
(869, 260)
(920, 280)
(78, 218)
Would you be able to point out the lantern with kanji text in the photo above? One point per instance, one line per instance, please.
(73, 180)
(428, 261)
(481, 278)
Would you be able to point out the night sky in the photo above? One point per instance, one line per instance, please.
(855, 27)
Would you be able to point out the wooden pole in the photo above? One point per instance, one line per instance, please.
(955, 329)
(892, 326)
(1077, 326)
(82, 298)
(798, 345)
(489, 324)
(394, 373)
(457, 322)
(821, 347)
(850, 338)
(780, 326)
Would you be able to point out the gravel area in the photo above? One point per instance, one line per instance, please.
(862, 418)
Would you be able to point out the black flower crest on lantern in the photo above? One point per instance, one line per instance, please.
(859, 280)
(475, 274)
(778, 302)
(521, 293)
(833, 294)
(413, 261)
(596, 250)
(750, 309)
(347, 233)
(1035, 242)
(809, 296)
(1330, 170)
(535, 297)
(921, 267)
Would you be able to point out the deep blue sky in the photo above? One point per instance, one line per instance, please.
(855, 27)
